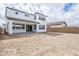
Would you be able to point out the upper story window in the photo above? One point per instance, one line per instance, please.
(41, 18)
(13, 23)
(35, 17)
(16, 12)
(27, 14)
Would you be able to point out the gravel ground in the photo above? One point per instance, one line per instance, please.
(41, 44)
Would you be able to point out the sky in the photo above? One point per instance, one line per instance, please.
(68, 12)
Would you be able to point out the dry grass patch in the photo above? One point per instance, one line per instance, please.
(50, 43)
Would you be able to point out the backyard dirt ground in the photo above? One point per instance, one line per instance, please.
(40, 44)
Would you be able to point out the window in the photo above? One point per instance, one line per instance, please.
(35, 17)
(27, 14)
(18, 26)
(41, 26)
(34, 26)
(41, 18)
(16, 12)
(13, 27)
(13, 23)
(23, 26)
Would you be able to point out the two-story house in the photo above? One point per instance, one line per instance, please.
(22, 22)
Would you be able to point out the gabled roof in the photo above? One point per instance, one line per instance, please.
(40, 14)
(26, 12)
(18, 10)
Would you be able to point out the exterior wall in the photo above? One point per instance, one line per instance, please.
(34, 30)
(9, 27)
(41, 23)
(18, 31)
(20, 15)
(11, 31)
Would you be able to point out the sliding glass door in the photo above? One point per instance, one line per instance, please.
(28, 28)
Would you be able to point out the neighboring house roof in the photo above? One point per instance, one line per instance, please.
(57, 23)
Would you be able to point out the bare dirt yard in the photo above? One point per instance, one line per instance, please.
(40, 44)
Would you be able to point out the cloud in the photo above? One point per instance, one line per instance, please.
(68, 12)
